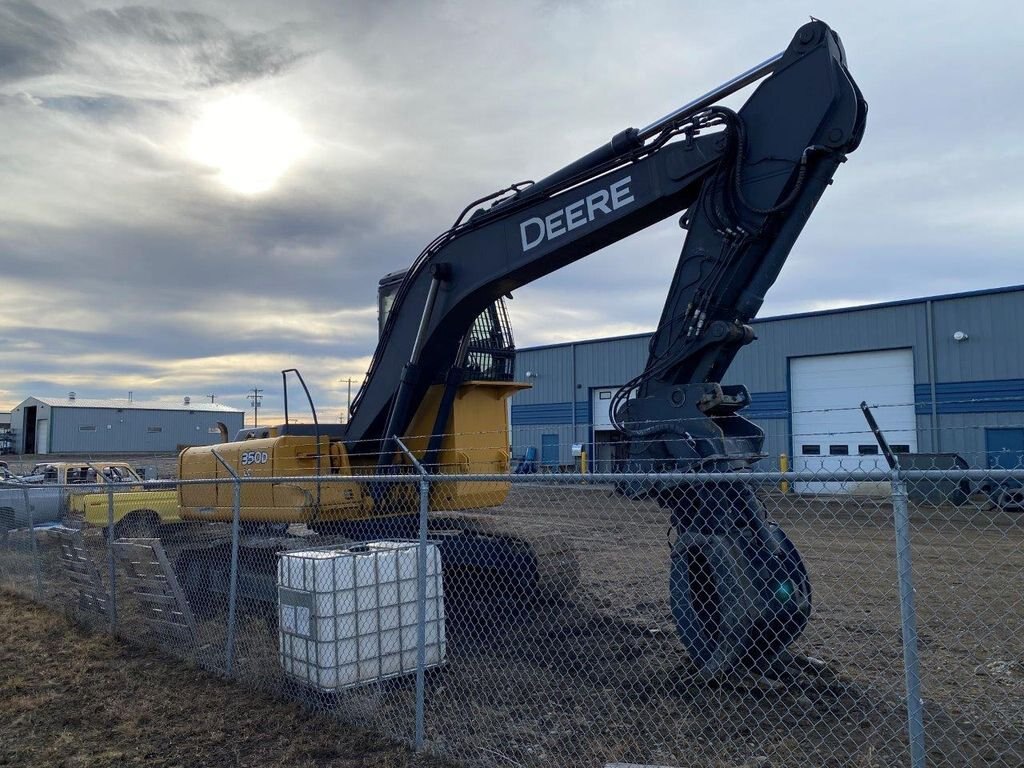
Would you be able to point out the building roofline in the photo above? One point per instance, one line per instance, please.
(800, 315)
(128, 405)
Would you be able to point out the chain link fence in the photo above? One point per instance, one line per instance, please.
(574, 619)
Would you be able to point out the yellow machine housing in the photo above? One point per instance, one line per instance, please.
(476, 441)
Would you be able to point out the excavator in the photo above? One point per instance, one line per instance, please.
(743, 182)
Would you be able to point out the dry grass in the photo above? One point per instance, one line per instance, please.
(69, 697)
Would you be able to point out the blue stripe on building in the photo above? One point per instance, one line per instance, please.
(764, 405)
(993, 396)
(767, 405)
(549, 413)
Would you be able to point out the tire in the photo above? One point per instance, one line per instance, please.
(140, 524)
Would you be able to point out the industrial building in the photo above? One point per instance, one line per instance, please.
(78, 425)
(946, 374)
(6, 441)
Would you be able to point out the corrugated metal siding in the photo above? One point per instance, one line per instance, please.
(995, 347)
(126, 431)
(763, 366)
(987, 369)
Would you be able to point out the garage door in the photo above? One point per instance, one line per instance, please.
(829, 431)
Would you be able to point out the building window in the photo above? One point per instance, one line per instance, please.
(867, 450)
(154, 429)
(839, 450)
(87, 428)
(810, 450)
(605, 395)
(900, 448)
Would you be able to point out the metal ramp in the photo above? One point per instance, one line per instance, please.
(81, 571)
(153, 582)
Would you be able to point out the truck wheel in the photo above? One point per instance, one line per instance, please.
(137, 525)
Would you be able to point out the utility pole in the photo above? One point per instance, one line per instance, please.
(255, 397)
(213, 398)
(348, 408)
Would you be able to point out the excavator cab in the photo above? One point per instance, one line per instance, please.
(490, 351)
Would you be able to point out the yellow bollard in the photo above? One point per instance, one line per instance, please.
(583, 462)
(784, 467)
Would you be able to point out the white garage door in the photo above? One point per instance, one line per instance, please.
(829, 430)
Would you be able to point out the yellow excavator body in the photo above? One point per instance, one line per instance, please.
(476, 441)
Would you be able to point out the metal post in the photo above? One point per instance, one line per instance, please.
(35, 550)
(236, 510)
(110, 555)
(421, 598)
(908, 622)
(421, 595)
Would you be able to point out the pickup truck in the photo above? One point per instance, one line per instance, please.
(51, 492)
(16, 495)
(138, 511)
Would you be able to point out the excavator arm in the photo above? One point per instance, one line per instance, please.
(747, 181)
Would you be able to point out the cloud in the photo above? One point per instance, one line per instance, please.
(203, 50)
(33, 42)
(126, 265)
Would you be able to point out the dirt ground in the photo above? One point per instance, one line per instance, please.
(599, 675)
(69, 697)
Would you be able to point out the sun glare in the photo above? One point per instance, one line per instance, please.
(249, 142)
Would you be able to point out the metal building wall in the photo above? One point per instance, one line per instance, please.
(128, 429)
(987, 370)
(562, 379)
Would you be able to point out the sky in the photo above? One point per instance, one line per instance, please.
(196, 195)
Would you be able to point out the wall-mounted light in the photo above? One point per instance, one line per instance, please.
(532, 374)
(960, 336)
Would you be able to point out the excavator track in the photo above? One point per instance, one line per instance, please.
(552, 570)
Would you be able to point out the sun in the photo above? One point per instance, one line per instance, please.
(248, 141)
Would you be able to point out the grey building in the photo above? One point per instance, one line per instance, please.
(79, 425)
(946, 374)
(6, 441)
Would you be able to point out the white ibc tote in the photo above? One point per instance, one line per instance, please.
(349, 616)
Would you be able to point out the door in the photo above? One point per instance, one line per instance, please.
(829, 430)
(600, 407)
(1004, 447)
(29, 430)
(42, 436)
(549, 450)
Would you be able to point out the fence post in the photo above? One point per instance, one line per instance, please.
(908, 621)
(110, 556)
(30, 511)
(421, 596)
(236, 511)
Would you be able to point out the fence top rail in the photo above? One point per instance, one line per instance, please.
(876, 475)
